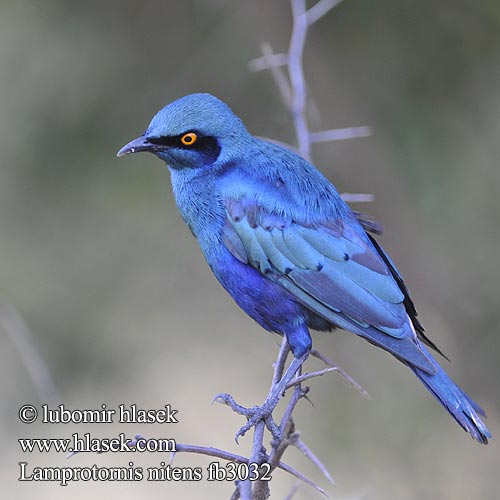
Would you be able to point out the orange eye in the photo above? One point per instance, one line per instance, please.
(189, 139)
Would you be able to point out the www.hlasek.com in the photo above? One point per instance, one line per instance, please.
(85, 443)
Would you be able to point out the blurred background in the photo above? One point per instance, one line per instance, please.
(123, 308)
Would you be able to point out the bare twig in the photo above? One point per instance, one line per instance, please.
(298, 443)
(286, 421)
(297, 80)
(17, 329)
(224, 455)
(307, 376)
(232, 457)
(293, 91)
(279, 76)
(357, 197)
(268, 60)
(258, 456)
(342, 372)
(292, 492)
(341, 134)
(279, 366)
(261, 488)
(318, 10)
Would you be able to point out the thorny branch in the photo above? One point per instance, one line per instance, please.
(293, 88)
(17, 329)
(293, 91)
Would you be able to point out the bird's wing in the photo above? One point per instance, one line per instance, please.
(330, 268)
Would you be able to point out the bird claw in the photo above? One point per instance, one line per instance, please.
(261, 413)
(254, 415)
(228, 400)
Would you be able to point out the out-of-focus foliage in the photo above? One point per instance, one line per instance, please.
(123, 309)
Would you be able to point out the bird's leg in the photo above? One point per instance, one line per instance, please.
(264, 412)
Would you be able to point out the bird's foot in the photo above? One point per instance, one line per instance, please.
(254, 415)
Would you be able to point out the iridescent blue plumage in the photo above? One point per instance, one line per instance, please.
(285, 246)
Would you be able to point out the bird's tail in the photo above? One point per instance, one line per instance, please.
(460, 406)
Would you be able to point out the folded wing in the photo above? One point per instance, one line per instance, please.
(331, 268)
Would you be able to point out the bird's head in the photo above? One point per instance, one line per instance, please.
(193, 132)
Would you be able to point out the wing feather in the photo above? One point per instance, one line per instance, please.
(332, 270)
(303, 251)
(403, 348)
(277, 236)
(277, 259)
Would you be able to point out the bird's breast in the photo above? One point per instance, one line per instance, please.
(265, 301)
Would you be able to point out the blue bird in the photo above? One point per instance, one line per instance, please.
(287, 248)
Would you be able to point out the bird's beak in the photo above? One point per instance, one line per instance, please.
(136, 146)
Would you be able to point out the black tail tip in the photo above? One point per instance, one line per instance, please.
(476, 428)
